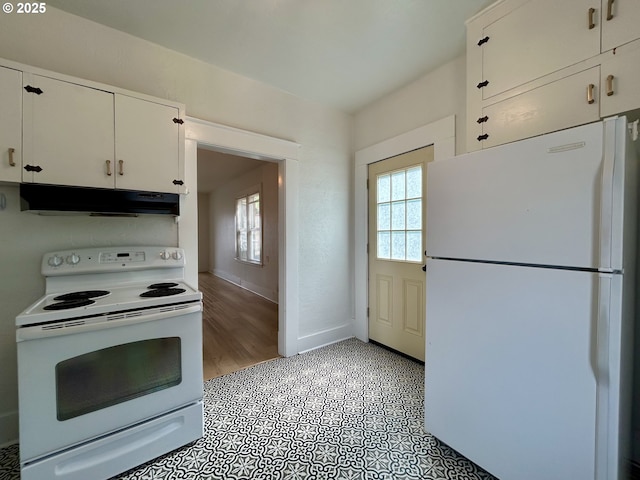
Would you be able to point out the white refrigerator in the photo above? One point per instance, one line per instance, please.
(531, 254)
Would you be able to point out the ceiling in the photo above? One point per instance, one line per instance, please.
(341, 53)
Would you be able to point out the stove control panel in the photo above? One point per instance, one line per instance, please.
(111, 259)
(122, 257)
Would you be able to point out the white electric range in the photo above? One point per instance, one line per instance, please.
(109, 363)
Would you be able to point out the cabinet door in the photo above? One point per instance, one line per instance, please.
(557, 105)
(620, 20)
(68, 133)
(538, 38)
(10, 125)
(147, 146)
(619, 81)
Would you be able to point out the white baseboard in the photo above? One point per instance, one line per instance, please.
(253, 288)
(8, 428)
(326, 337)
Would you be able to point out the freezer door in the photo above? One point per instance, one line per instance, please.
(512, 359)
(537, 201)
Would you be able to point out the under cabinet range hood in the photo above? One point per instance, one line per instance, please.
(61, 200)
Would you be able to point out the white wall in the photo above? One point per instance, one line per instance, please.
(261, 279)
(71, 45)
(435, 95)
(203, 232)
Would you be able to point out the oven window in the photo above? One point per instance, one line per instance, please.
(113, 375)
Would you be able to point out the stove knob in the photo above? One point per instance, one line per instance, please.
(55, 261)
(73, 259)
(177, 255)
(165, 255)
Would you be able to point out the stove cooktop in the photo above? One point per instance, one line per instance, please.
(74, 304)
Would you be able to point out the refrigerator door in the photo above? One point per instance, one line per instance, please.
(545, 201)
(514, 369)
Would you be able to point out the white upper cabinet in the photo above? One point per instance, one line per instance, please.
(147, 145)
(536, 66)
(83, 135)
(10, 125)
(620, 22)
(619, 79)
(536, 39)
(68, 133)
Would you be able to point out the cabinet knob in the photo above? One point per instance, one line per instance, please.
(591, 15)
(610, 85)
(11, 152)
(120, 167)
(108, 163)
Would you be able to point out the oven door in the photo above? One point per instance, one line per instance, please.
(81, 382)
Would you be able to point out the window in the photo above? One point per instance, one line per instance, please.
(399, 215)
(249, 229)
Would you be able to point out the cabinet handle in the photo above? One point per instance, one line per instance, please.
(610, 9)
(610, 85)
(590, 98)
(592, 12)
(483, 137)
(108, 162)
(11, 152)
(121, 167)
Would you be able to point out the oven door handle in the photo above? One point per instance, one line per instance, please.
(70, 327)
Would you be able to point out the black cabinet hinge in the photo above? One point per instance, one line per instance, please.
(178, 182)
(483, 119)
(36, 90)
(483, 137)
(483, 41)
(483, 84)
(178, 120)
(32, 168)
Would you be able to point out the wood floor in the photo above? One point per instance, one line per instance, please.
(240, 328)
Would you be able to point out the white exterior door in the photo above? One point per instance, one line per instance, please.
(396, 251)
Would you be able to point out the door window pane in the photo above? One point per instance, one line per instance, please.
(384, 188)
(414, 214)
(398, 186)
(384, 245)
(414, 246)
(399, 215)
(113, 375)
(398, 246)
(384, 216)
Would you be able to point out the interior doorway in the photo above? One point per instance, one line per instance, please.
(203, 134)
(237, 260)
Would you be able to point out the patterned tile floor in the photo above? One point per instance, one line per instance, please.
(346, 411)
